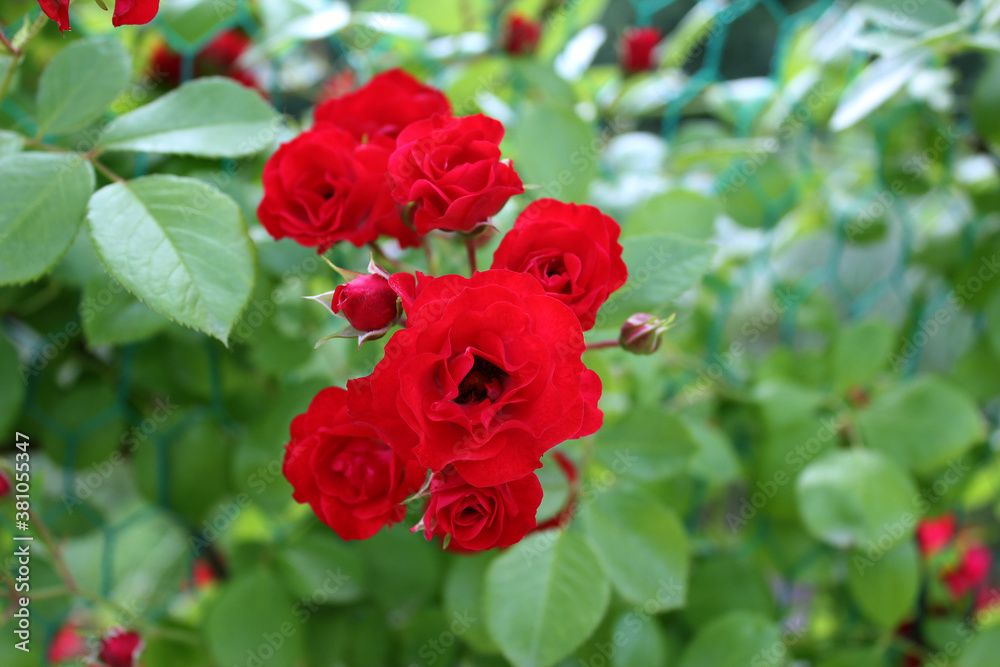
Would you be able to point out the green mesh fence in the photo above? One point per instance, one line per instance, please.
(825, 275)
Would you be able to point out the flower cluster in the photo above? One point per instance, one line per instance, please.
(483, 374)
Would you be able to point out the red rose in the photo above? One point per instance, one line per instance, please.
(521, 35)
(636, 49)
(480, 518)
(573, 251)
(57, 10)
(933, 535)
(451, 168)
(487, 376)
(380, 109)
(971, 572)
(134, 12)
(353, 481)
(127, 12)
(367, 302)
(324, 186)
(120, 649)
(219, 58)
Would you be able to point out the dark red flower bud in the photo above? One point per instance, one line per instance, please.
(521, 35)
(120, 648)
(4, 484)
(641, 333)
(636, 49)
(67, 645)
(367, 302)
(933, 535)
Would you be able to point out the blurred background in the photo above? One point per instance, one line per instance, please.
(828, 174)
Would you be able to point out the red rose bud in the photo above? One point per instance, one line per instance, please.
(641, 333)
(4, 484)
(521, 35)
(67, 645)
(120, 648)
(637, 47)
(933, 535)
(367, 302)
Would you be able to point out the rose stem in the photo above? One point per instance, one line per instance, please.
(602, 344)
(470, 247)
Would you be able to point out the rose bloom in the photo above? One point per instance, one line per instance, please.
(480, 518)
(486, 377)
(220, 57)
(324, 186)
(451, 169)
(352, 480)
(120, 648)
(636, 49)
(521, 35)
(127, 12)
(971, 573)
(380, 109)
(933, 535)
(572, 251)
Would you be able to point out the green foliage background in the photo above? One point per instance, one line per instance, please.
(812, 188)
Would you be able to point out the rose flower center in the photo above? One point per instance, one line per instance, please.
(483, 381)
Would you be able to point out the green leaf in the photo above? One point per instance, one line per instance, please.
(680, 212)
(11, 385)
(661, 267)
(44, 197)
(177, 244)
(254, 610)
(982, 650)
(544, 597)
(463, 598)
(986, 100)
(885, 584)
(321, 567)
(642, 642)
(692, 31)
(112, 316)
(80, 83)
(554, 149)
(859, 352)
(181, 466)
(924, 424)
(208, 117)
(642, 546)
(725, 583)
(10, 142)
(400, 588)
(875, 85)
(855, 658)
(849, 498)
(737, 639)
(648, 444)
